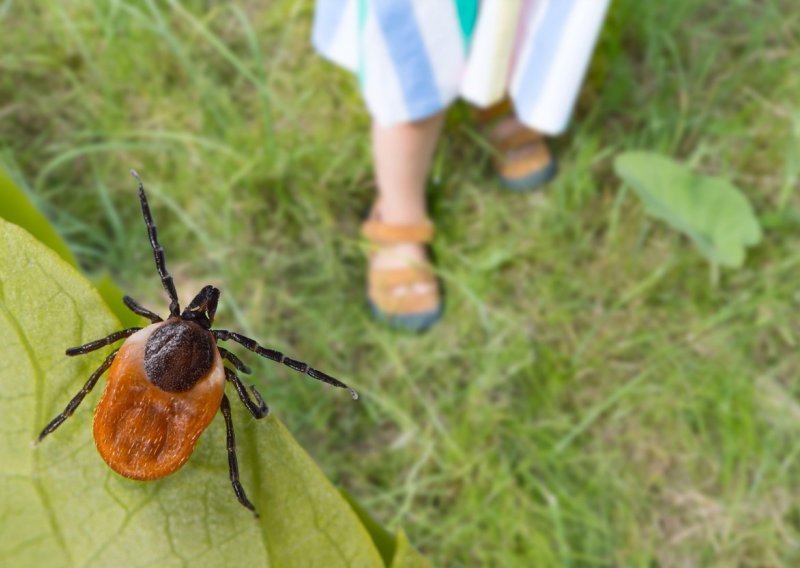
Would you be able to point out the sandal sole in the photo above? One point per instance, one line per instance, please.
(409, 322)
(532, 181)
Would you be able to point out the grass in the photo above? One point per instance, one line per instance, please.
(590, 399)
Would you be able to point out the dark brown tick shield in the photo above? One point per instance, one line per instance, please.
(167, 381)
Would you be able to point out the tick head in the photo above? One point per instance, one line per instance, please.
(202, 309)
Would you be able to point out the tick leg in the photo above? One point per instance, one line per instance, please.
(240, 366)
(78, 398)
(259, 408)
(139, 310)
(278, 357)
(233, 465)
(98, 343)
(158, 251)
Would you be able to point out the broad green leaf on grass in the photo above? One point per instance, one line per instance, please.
(18, 209)
(382, 538)
(396, 551)
(711, 211)
(60, 505)
(405, 556)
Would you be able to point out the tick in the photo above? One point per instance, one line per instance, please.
(167, 381)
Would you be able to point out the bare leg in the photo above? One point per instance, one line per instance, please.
(403, 154)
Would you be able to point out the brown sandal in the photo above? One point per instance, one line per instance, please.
(414, 311)
(522, 159)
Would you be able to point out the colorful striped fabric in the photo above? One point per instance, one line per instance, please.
(413, 58)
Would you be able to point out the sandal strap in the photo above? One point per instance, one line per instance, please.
(379, 232)
(384, 282)
(517, 139)
(394, 277)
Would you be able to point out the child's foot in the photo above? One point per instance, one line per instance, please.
(523, 160)
(401, 286)
(521, 157)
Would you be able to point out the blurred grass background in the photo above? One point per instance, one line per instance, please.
(590, 399)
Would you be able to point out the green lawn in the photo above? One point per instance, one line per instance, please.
(591, 398)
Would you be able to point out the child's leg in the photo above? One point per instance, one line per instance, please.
(402, 155)
(401, 285)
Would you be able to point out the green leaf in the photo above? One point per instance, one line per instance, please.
(60, 505)
(18, 209)
(383, 539)
(396, 551)
(405, 555)
(711, 211)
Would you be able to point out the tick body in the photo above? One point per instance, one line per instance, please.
(144, 430)
(167, 382)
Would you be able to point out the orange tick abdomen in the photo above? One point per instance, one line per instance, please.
(142, 431)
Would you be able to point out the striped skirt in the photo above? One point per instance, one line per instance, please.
(413, 58)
